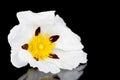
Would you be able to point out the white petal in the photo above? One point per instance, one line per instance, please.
(68, 40)
(20, 35)
(12, 34)
(59, 21)
(70, 59)
(16, 59)
(51, 66)
(33, 63)
(44, 66)
(31, 18)
(51, 24)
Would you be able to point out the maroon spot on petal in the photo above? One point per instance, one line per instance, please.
(25, 46)
(54, 56)
(54, 38)
(37, 31)
(36, 58)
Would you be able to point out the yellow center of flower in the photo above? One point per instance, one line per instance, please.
(40, 46)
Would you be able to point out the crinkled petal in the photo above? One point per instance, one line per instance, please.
(20, 35)
(43, 66)
(16, 59)
(67, 41)
(12, 34)
(32, 62)
(70, 59)
(53, 68)
(31, 18)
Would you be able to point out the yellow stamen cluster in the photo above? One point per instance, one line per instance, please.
(40, 46)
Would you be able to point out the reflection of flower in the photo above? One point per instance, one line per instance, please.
(44, 41)
(34, 74)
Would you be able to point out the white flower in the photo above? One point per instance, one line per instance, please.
(44, 41)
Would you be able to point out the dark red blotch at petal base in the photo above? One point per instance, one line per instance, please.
(54, 56)
(38, 30)
(36, 58)
(25, 46)
(54, 38)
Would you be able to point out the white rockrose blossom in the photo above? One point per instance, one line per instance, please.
(43, 41)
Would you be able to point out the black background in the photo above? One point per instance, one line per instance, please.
(83, 18)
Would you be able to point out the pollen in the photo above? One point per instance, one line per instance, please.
(40, 47)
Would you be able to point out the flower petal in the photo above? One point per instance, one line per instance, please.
(67, 41)
(52, 67)
(70, 59)
(31, 18)
(12, 34)
(44, 66)
(32, 62)
(20, 35)
(16, 59)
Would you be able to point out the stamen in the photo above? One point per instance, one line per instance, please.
(37, 31)
(25, 46)
(54, 56)
(54, 38)
(41, 46)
